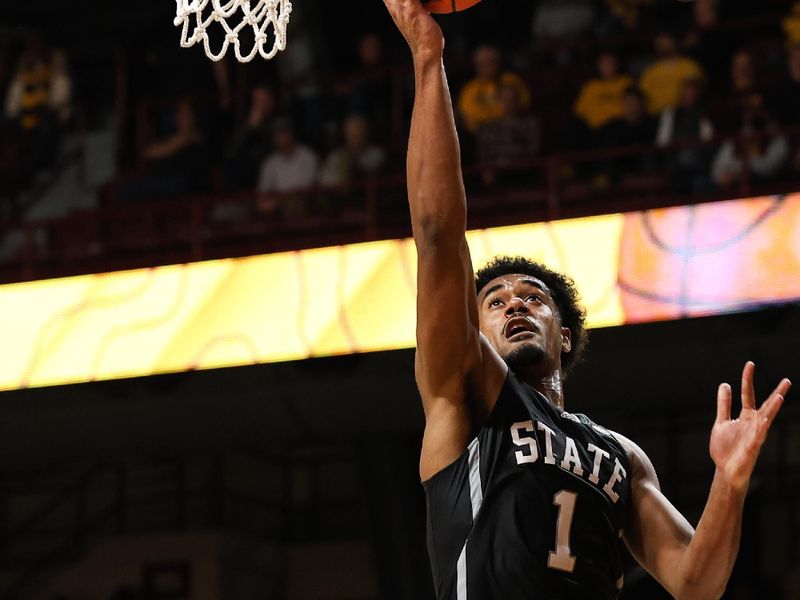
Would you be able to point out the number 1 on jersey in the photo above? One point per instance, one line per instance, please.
(561, 558)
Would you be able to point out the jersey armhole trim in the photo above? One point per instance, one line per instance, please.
(474, 440)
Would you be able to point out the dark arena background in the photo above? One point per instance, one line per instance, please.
(207, 282)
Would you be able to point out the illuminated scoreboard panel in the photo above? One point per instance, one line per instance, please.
(633, 267)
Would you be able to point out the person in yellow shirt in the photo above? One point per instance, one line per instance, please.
(601, 99)
(40, 93)
(38, 107)
(791, 25)
(480, 100)
(661, 81)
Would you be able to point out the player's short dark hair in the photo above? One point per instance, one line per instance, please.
(562, 289)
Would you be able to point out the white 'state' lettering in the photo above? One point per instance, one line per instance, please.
(523, 435)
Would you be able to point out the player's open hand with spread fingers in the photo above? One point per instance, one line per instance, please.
(736, 444)
(422, 33)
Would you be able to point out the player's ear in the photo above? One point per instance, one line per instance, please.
(566, 340)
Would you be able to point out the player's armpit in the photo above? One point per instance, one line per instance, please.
(657, 534)
(453, 420)
(448, 429)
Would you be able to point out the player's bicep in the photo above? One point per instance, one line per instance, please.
(657, 534)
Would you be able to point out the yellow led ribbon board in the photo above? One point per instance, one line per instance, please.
(632, 267)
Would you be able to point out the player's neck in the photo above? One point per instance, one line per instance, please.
(551, 385)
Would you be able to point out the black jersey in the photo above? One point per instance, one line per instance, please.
(534, 508)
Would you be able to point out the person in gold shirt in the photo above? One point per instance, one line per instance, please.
(601, 99)
(41, 89)
(480, 100)
(791, 25)
(661, 81)
(38, 107)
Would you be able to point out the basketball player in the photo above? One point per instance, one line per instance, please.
(527, 501)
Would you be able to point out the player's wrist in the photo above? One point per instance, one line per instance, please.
(733, 487)
(427, 55)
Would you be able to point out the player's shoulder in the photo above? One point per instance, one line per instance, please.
(586, 420)
(611, 437)
(631, 447)
(638, 459)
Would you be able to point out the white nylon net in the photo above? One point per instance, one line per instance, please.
(259, 16)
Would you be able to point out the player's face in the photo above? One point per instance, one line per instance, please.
(520, 319)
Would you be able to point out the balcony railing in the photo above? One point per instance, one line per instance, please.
(121, 236)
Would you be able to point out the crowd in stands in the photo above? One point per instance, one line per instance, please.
(705, 104)
(37, 107)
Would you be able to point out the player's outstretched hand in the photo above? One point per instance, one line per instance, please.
(736, 444)
(423, 34)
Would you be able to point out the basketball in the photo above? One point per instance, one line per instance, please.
(448, 6)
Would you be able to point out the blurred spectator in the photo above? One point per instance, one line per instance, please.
(787, 104)
(787, 96)
(41, 87)
(301, 68)
(252, 141)
(623, 15)
(601, 99)
(10, 179)
(791, 25)
(688, 122)
(176, 165)
(356, 159)
(707, 43)
(479, 101)
(742, 93)
(562, 19)
(157, 69)
(292, 167)
(515, 136)
(371, 90)
(705, 14)
(219, 116)
(39, 104)
(762, 151)
(634, 128)
(661, 81)
(743, 74)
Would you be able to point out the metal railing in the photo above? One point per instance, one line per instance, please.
(120, 236)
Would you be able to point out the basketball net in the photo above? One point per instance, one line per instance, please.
(234, 16)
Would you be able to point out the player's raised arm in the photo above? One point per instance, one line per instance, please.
(448, 362)
(697, 564)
